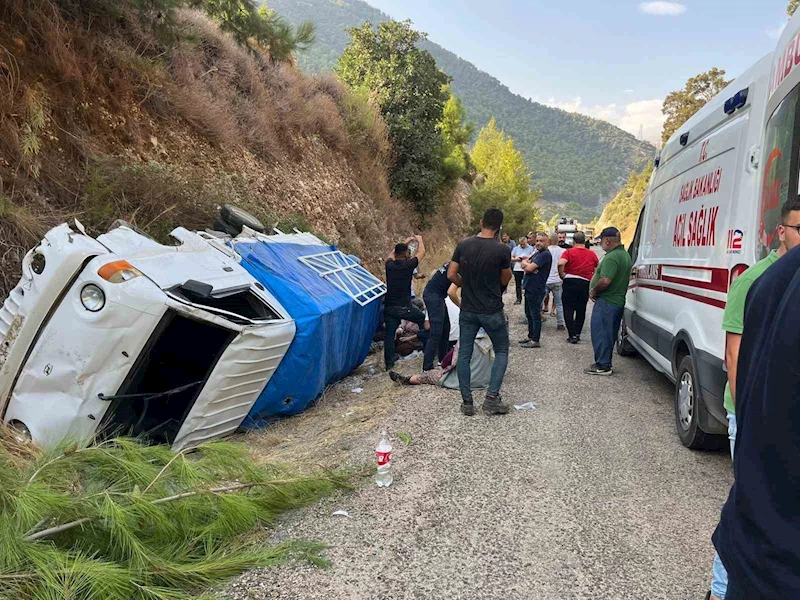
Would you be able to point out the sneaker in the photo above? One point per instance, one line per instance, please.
(571, 340)
(577, 338)
(401, 379)
(494, 405)
(468, 409)
(561, 328)
(598, 370)
(531, 344)
(524, 341)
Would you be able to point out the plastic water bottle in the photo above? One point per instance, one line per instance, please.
(384, 455)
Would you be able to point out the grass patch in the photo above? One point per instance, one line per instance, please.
(123, 520)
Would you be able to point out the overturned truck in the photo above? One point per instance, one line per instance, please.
(121, 334)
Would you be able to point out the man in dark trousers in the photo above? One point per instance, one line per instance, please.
(607, 290)
(397, 301)
(537, 270)
(758, 537)
(481, 267)
(434, 297)
(576, 267)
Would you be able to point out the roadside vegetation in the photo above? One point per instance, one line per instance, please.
(504, 182)
(122, 520)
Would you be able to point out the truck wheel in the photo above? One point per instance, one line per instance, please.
(238, 218)
(688, 402)
(222, 226)
(624, 346)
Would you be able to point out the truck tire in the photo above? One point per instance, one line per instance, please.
(688, 403)
(623, 345)
(222, 226)
(238, 218)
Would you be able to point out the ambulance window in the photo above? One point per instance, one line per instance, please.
(633, 249)
(781, 168)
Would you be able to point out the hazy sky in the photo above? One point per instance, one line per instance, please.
(614, 60)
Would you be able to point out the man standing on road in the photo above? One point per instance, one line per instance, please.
(608, 289)
(537, 270)
(397, 301)
(554, 282)
(481, 267)
(434, 296)
(758, 537)
(562, 241)
(521, 251)
(508, 241)
(576, 267)
(733, 325)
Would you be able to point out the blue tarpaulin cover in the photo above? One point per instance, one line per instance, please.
(333, 332)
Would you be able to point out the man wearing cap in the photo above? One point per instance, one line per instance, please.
(607, 290)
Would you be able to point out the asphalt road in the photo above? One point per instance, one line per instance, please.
(589, 495)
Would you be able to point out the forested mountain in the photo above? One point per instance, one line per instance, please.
(623, 210)
(572, 157)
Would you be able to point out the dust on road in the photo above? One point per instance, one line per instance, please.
(589, 495)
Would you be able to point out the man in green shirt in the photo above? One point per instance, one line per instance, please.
(733, 325)
(607, 290)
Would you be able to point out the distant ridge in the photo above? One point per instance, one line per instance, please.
(572, 157)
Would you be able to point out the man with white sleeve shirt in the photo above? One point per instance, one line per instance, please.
(554, 283)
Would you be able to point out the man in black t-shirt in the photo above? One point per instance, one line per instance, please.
(481, 267)
(397, 301)
(758, 536)
(537, 270)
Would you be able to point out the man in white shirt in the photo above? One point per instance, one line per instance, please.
(554, 280)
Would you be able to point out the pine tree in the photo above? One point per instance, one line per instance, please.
(507, 184)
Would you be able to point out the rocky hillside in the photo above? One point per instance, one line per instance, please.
(102, 119)
(572, 157)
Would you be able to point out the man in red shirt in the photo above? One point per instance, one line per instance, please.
(576, 267)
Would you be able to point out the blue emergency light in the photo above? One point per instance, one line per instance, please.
(736, 102)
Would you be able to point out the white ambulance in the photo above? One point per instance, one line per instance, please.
(700, 228)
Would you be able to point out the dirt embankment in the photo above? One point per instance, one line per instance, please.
(101, 119)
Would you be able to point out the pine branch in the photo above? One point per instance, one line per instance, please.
(220, 490)
(166, 466)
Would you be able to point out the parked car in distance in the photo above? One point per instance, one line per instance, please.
(123, 335)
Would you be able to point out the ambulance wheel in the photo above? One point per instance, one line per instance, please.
(238, 218)
(624, 346)
(688, 402)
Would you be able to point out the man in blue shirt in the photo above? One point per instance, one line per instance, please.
(537, 270)
(758, 537)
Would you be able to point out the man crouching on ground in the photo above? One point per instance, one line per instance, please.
(481, 267)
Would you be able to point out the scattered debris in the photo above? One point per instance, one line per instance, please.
(357, 390)
(340, 513)
(526, 406)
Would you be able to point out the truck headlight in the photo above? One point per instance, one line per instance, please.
(92, 298)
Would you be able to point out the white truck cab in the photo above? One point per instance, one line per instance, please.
(700, 227)
(123, 335)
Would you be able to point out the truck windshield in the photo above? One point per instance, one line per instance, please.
(781, 168)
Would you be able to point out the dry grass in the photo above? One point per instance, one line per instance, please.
(325, 434)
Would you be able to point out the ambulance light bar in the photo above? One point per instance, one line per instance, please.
(736, 102)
